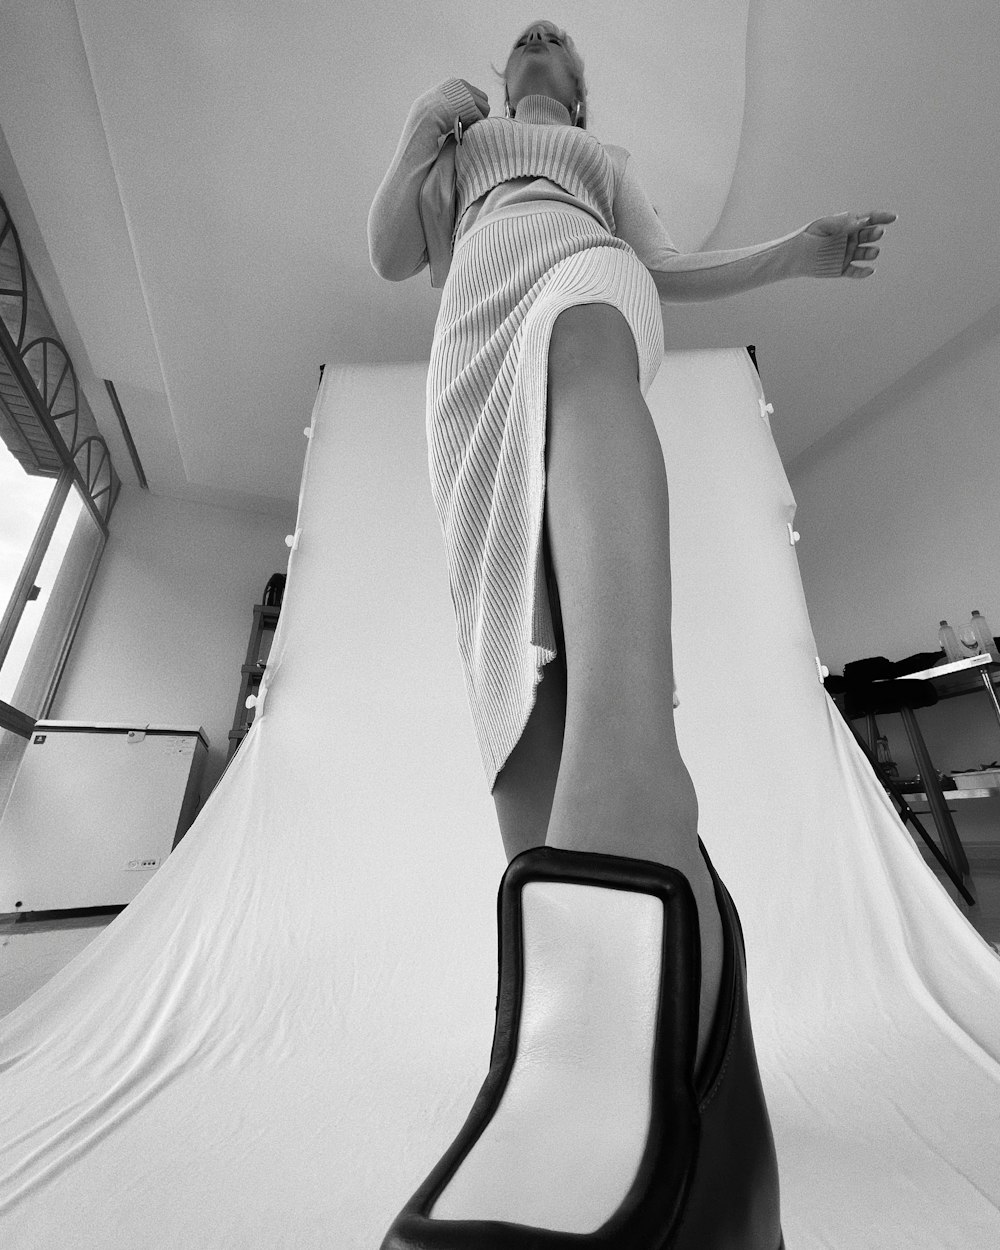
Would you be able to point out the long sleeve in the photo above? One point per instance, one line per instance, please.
(711, 275)
(396, 243)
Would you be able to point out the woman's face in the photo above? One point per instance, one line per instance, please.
(539, 64)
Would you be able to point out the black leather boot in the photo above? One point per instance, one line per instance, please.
(592, 1128)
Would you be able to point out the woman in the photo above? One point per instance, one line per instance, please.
(623, 1096)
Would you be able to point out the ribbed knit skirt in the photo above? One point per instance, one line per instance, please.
(511, 276)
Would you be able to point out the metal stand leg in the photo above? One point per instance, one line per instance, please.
(991, 691)
(907, 814)
(932, 788)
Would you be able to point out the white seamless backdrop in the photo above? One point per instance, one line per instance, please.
(280, 1035)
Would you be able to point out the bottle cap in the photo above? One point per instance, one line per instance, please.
(944, 622)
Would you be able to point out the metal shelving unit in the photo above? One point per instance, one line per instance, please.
(265, 621)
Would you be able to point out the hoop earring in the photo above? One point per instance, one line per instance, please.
(506, 106)
(576, 112)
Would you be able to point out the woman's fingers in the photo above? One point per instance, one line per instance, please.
(852, 268)
(864, 230)
(481, 98)
(859, 231)
(871, 225)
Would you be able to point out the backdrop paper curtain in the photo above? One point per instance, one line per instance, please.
(277, 1039)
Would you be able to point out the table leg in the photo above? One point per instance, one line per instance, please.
(991, 691)
(951, 842)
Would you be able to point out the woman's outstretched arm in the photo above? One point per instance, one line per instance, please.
(395, 238)
(829, 247)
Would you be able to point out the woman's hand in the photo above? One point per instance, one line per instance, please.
(858, 233)
(481, 99)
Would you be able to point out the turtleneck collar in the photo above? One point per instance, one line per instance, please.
(542, 110)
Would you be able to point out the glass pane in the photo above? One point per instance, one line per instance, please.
(37, 650)
(13, 292)
(23, 501)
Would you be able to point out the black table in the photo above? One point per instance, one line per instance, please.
(979, 672)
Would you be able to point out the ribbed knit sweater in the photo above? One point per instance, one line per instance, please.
(538, 144)
(539, 155)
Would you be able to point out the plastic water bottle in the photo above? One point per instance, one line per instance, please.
(884, 757)
(982, 631)
(950, 644)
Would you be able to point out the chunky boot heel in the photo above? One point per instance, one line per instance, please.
(592, 1128)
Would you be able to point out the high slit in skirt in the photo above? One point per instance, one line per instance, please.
(511, 276)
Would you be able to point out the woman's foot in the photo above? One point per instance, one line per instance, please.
(709, 920)
(588, 1126)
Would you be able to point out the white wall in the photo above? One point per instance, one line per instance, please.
(169, 617)
(899, 513)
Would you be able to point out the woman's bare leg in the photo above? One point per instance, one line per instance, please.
(622, 787)
(526, 786)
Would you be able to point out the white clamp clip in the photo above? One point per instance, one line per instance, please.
(257, 700)
(308, 431)
(793, 535)
(765, 408)
(292, 540)
(822, 670)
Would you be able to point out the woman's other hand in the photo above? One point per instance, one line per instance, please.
(859, 234)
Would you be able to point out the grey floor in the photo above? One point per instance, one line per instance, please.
(33, 951)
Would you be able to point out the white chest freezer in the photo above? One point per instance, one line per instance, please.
(95, 809)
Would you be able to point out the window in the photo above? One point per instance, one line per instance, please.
(57, 491)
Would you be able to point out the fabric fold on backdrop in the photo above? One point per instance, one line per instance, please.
(280, 1035)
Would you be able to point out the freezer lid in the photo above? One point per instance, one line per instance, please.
(82, 726)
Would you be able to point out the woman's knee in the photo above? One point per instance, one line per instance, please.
(602, 448)
(592, 344)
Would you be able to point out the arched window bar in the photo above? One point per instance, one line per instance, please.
(47, 423)
(48, 427)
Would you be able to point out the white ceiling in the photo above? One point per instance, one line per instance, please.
(191, 181)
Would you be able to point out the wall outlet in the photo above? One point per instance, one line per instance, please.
(142, 865)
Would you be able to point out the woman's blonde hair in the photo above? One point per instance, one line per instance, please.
(575, 59)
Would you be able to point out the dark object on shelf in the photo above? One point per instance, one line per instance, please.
(915, 785)
(881, 697)
(274, 591)
(874, 685)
